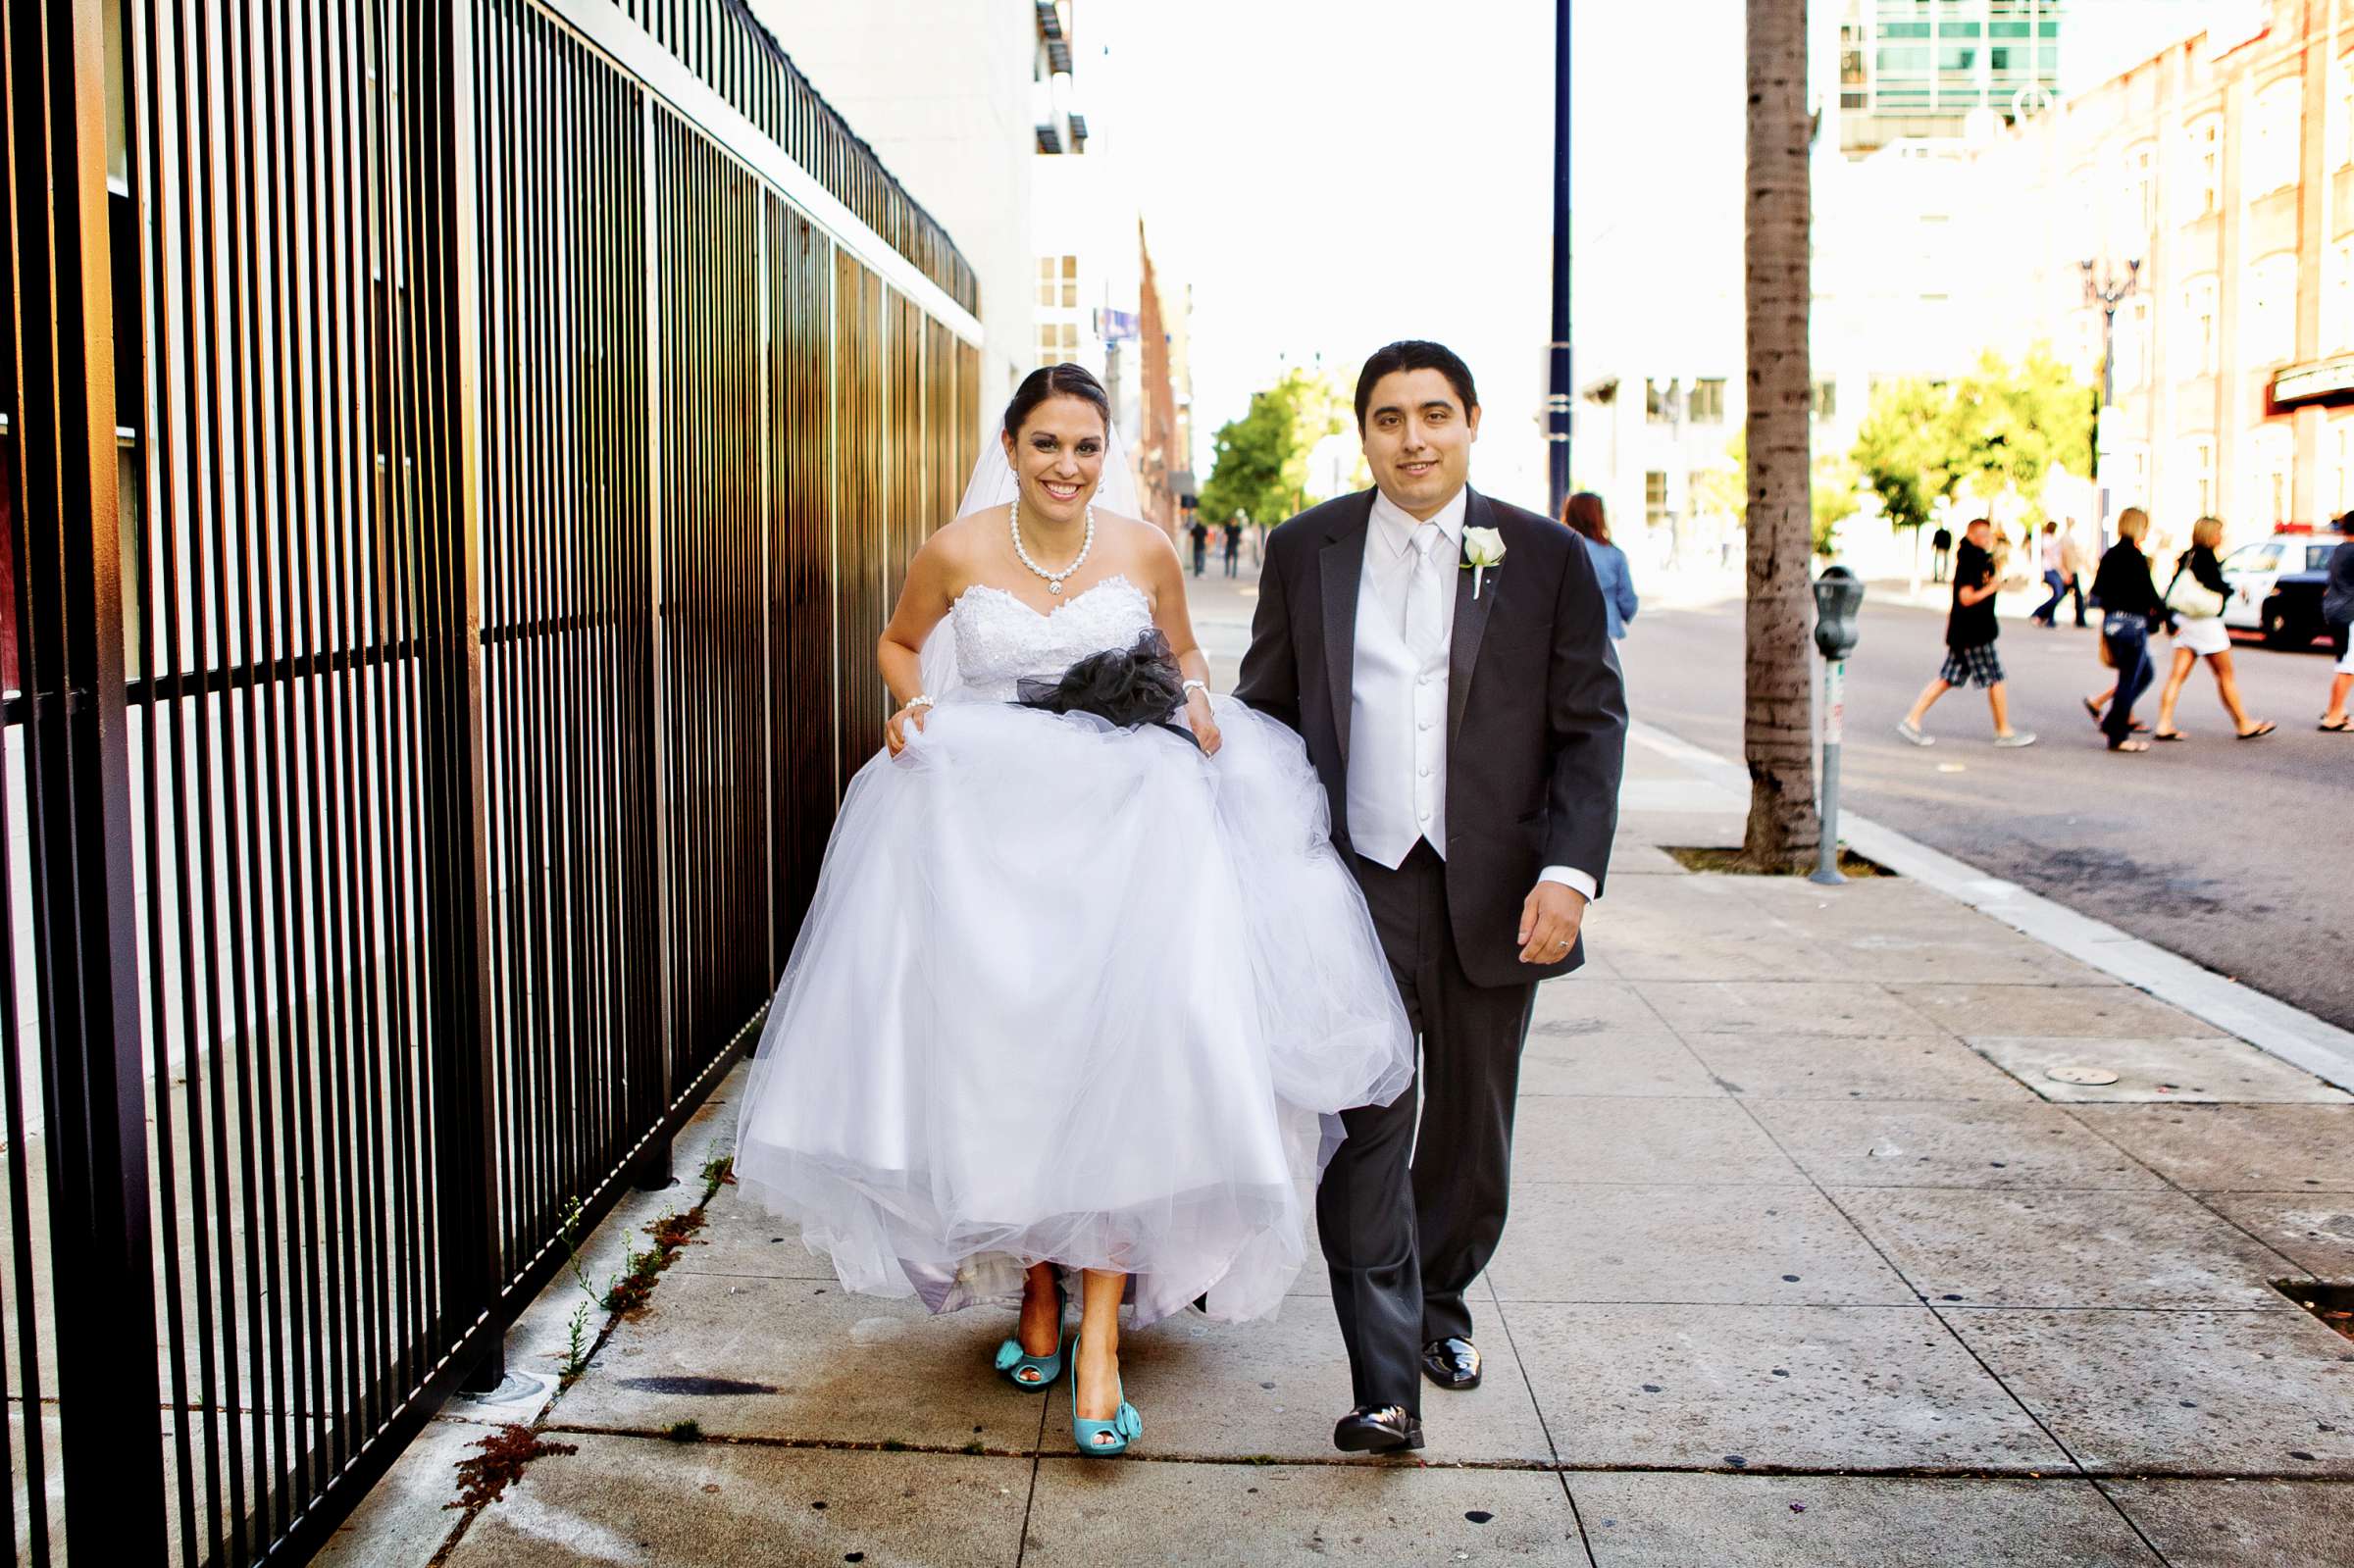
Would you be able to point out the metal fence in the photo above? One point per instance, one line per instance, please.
(455, 459)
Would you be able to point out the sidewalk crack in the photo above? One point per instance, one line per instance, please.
(1503, 1322)
(1038, 1459)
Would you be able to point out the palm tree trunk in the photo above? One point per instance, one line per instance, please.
(1778, 730)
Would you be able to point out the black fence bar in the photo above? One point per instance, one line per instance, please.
(448, 504)
(66, 617)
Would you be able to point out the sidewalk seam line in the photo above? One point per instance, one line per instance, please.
(1038, 1459)
(1503, 1322)
(2173, 1185)
(1911, 1285)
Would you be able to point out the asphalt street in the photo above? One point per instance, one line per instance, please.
(2238, 855)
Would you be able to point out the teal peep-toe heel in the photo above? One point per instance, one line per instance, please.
(1103, 1439)
(1034, 1372)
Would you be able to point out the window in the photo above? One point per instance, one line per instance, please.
(2130, 471)
(2198, 325)
(2203, 165)
(2272, 324)
(1852, 83)
(2130, 342)
(2264, 557)
(2343, 85)
(1655, 497)
(2271, 453)
(1706, 405)
(1826, 400)
(2197, 476)
(1057, 342)
(2337, 297)
(2141, 179)
(2342, 469)
(2274, 120)
(1658, 402)
(1058, 281)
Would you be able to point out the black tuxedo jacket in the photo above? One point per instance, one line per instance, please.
(1536, 711)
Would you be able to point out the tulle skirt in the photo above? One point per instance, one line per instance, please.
(1072, 993)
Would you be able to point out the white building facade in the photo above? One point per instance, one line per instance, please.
(952, 94)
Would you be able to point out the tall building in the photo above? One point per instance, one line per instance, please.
(1159, 456)
(2224, 166)
(1912, 69)
(1099, 303)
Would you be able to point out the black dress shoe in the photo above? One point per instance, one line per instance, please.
(1452, 1363)
(1377, 1429)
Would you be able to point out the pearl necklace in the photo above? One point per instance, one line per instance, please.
(1054, 578)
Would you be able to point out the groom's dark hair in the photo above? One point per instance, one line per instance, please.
(1414, 354)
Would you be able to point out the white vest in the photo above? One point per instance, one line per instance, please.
(1397, 700)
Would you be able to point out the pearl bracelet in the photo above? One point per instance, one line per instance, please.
(919, 700)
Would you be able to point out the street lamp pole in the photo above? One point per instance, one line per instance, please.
(2108, 291)
(1557, 348)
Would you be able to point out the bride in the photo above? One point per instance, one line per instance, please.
(1082, 988)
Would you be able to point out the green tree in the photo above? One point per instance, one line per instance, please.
(2007, 426)
(1832, 497)
(1901, 449)
(1723, 491)
(1260, 467)
(2002, 427)
(1830, 489)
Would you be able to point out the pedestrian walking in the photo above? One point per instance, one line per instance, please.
(2195, 600)
(1970, 634)
(1941, 551)
(2129, 610)
(2076, 564)
(1201, 535)
(1234, 546)
(2055, 577)
(1584, 514)
(2337, 609)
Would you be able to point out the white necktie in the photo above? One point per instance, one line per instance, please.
(1423, 584)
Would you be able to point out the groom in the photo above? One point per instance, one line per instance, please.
(1469, 723)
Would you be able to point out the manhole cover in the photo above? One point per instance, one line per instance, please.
(2089, 1077)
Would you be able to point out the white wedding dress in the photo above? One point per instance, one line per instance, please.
(1070, 992)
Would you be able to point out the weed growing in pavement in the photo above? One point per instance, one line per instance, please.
(687, 1431)
(486, 1478)
(627, 1294)
(576, 1353)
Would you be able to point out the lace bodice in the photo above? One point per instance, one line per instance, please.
(999, 638)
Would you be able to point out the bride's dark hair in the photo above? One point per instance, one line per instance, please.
(1055, 381)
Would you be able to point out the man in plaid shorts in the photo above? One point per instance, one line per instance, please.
(1970, 634)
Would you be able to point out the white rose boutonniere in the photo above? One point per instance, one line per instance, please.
(1483, 549)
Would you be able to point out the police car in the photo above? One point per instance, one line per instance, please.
(2276, 585)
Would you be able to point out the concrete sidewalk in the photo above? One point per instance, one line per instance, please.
(1812, 1262)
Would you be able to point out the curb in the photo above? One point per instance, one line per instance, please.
(2294, 1036)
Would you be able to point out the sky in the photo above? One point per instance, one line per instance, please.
(1331, 175)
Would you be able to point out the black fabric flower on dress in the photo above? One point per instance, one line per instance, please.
(1129, 687)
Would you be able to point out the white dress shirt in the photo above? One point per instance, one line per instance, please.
(1397, 781)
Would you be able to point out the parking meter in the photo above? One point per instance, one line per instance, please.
(1838, 597)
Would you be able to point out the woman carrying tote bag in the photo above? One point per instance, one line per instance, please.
(2196, 597)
